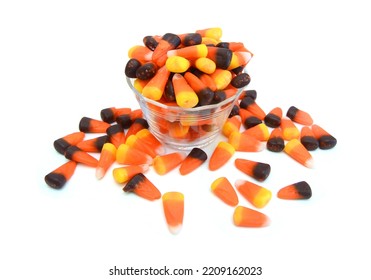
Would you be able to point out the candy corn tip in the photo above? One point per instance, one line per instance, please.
(239, 182)
(160, 150)
(309, 163)
(175, 229)
(145, 167)
(261, 147)
(99, 173)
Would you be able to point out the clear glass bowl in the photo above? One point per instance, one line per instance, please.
(184, 129)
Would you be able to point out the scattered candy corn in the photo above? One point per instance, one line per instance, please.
(299, 190)
(173, 204)
(222, 153)
(141, 186)
(223, 189)
(257, 170)
(193, 160)
(59, 177)
(192, 70)
(257, 195)
(247, 217)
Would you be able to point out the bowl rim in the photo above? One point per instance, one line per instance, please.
(180, 109)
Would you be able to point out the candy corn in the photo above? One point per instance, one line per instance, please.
(61, 144)
(257, 170)
(75, 154)
(221, 154)
(289, 129)
(60, 176)
(106, 159)
(326, 140)
(173, 205)
(165, 163)
(247, 217)
(185, 96)
(125, 173)
(250, 104)
(299, 190)
(156, 85)
(193, 160)
(273, 118)
(245, 143)
(255, 194)
(308, 139)
(299, 116)
(131, 156)
(295, 149)
(93, 125)
(93, 145)
(275, 142)
(224, 190)
(141, 186)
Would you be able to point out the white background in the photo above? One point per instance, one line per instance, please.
(62, 60)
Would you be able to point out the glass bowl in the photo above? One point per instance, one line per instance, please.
(184, 129)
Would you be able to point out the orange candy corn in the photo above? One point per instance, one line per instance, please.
(259, 131)
(173, 205)
(130, 156)
(185, 96)
(205, 65)
(204, 93)
(106, 159)
(60, 176)
(258, 170)
(140, 53)
(125, 173)
(139, 144)
(299, 190)
(247, 217)
(109, 115)
(151, 140)
(193, 160)
(191, 52)
(221, 56)
(156, 85)
(222, 78)
(137, 125)
(92, 125)
(72, 139)
(221, 154)
(276, 143)
(75, 154)
(326, 140)
(116, 135)
(232, 124)
(93, 145)
(239, 58)
(289, 129)
(295, 149)
(168, 41)
(244, 142)
(211, 32)
(299, 116)
(255, 194)
(224, 190)
(248, 119)
(308, 139)
(273, 118)
(165, 163)
(250, 104)
(141, 186)
(190, 39)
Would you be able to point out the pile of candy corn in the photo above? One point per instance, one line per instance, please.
(123, 141)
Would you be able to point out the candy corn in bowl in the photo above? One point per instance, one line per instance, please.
(187, 84)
